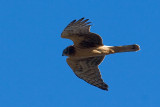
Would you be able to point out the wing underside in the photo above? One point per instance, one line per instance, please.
(87, 69)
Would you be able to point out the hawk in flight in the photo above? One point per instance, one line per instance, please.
(88, 52)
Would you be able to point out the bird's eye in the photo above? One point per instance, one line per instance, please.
(66, 51)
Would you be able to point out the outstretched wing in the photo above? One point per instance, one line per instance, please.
(87, 69)
(79, 33)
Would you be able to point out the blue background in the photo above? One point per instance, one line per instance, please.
(34, 74)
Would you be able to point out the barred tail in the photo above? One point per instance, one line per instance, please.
(125, 48)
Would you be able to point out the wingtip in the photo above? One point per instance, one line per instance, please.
(73, 21)
(80, 20)
(104, 87)
(83, 18)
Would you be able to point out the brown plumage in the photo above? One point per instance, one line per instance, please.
(88, 52)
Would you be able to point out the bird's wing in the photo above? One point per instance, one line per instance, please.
(79, 33)
(87, 69)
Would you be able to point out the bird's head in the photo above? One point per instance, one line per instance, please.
(70, 50)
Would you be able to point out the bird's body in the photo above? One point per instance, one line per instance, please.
(101, 50)
(93, 51)
(88, 52)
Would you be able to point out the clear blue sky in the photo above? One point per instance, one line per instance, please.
(34, 74)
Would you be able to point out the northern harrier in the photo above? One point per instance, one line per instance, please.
(88, 52)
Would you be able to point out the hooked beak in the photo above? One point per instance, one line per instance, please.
(62, 54)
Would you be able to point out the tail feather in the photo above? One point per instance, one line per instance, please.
(125, 48)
